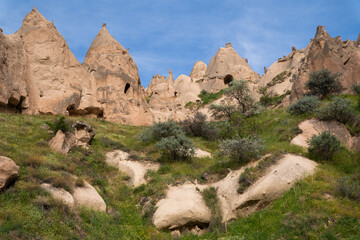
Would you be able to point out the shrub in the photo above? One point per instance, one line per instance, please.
(324, 146)
(222, 111)
(176, 147)
(348, 187)
(160, 130)
(198, 127)
(305, 105)
(339, 110)
(241, 149)
(207, 97)
(59, 124)
(170, 140)
(212, 201)
(322, 83)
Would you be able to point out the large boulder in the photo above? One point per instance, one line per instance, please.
(182, 205)
(62, 142)
(83, 133)
(87, 196)
(118, 87)
(9, 171)
(315, 127)
(59, 194)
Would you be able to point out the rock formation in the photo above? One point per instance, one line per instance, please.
(118, 86)
(225, 66)
(198, 70)
(39, 74)
(314, 126)
(8, 171)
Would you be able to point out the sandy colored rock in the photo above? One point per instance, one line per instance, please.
(201, 153)
(332, 54)
(59, 194)
(118, 87)
(182, 205)
(87, 196)
(62, 142)
(225, 66)
(198, 70)
(136, 170)
(83, 133)
(315, 127)
(9, 171)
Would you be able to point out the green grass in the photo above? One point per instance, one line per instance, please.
(312, 209)
(206, 98)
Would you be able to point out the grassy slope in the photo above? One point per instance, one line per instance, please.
(29, 212)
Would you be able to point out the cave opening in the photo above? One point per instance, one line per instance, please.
(127, 86)
(228, 79)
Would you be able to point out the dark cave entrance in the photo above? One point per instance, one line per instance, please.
(127, 86)
(228, 79)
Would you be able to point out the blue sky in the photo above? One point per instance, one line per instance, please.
(173, 34)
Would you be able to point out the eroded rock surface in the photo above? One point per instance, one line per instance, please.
(87, 196)
(136, 170)
(9, 171)
(315, 127)
(59, 194)
(198, 70)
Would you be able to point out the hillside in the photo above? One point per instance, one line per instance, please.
(312, 209)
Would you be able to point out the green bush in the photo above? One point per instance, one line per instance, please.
(324, 146)
(241, 149)
(170, 140)
(339, 110)
(160, 130)
(240, 92)
(222, 111)
(176, 147)
(323, 83)
(59, 124)
(305, 105)
(348, 187)
(197, 126)
(207, 97)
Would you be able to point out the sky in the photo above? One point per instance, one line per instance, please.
(174, 34)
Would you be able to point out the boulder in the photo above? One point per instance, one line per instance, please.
(136, 170)
(84, 133)
(182, 205)
(201, 153)
(87, 196)
(117, 82)
(315, 127)
(59, 194)
(9, 171)
(63, 142)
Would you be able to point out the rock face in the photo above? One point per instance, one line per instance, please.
(198, 70)
(82, 136)
(167, 98)
(314, 126)
(118, 86)
(182, 205)
(225, 66)
(8, 171)
(59, 194)
(136, 170)
(330, 53)
(39, 74)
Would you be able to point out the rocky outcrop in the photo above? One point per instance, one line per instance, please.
(198, 70)
(315, 127)
(82, 196)
(225, 66)
(332, 54)
(136, 170)
(118, 87)
(9, 171)
(182, 205)
(64, 142)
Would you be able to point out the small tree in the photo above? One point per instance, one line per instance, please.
(197, 126)
(241, 149)
(322, 83)
(222, 111)
(306, 104)
(160, 130)
(239, 90)
(324, 146)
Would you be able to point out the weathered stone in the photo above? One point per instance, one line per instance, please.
(9, 171)
(117, 85)
(87, 196)
(62, 142)
(59, 194)
(198, 71)
(84, 133)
